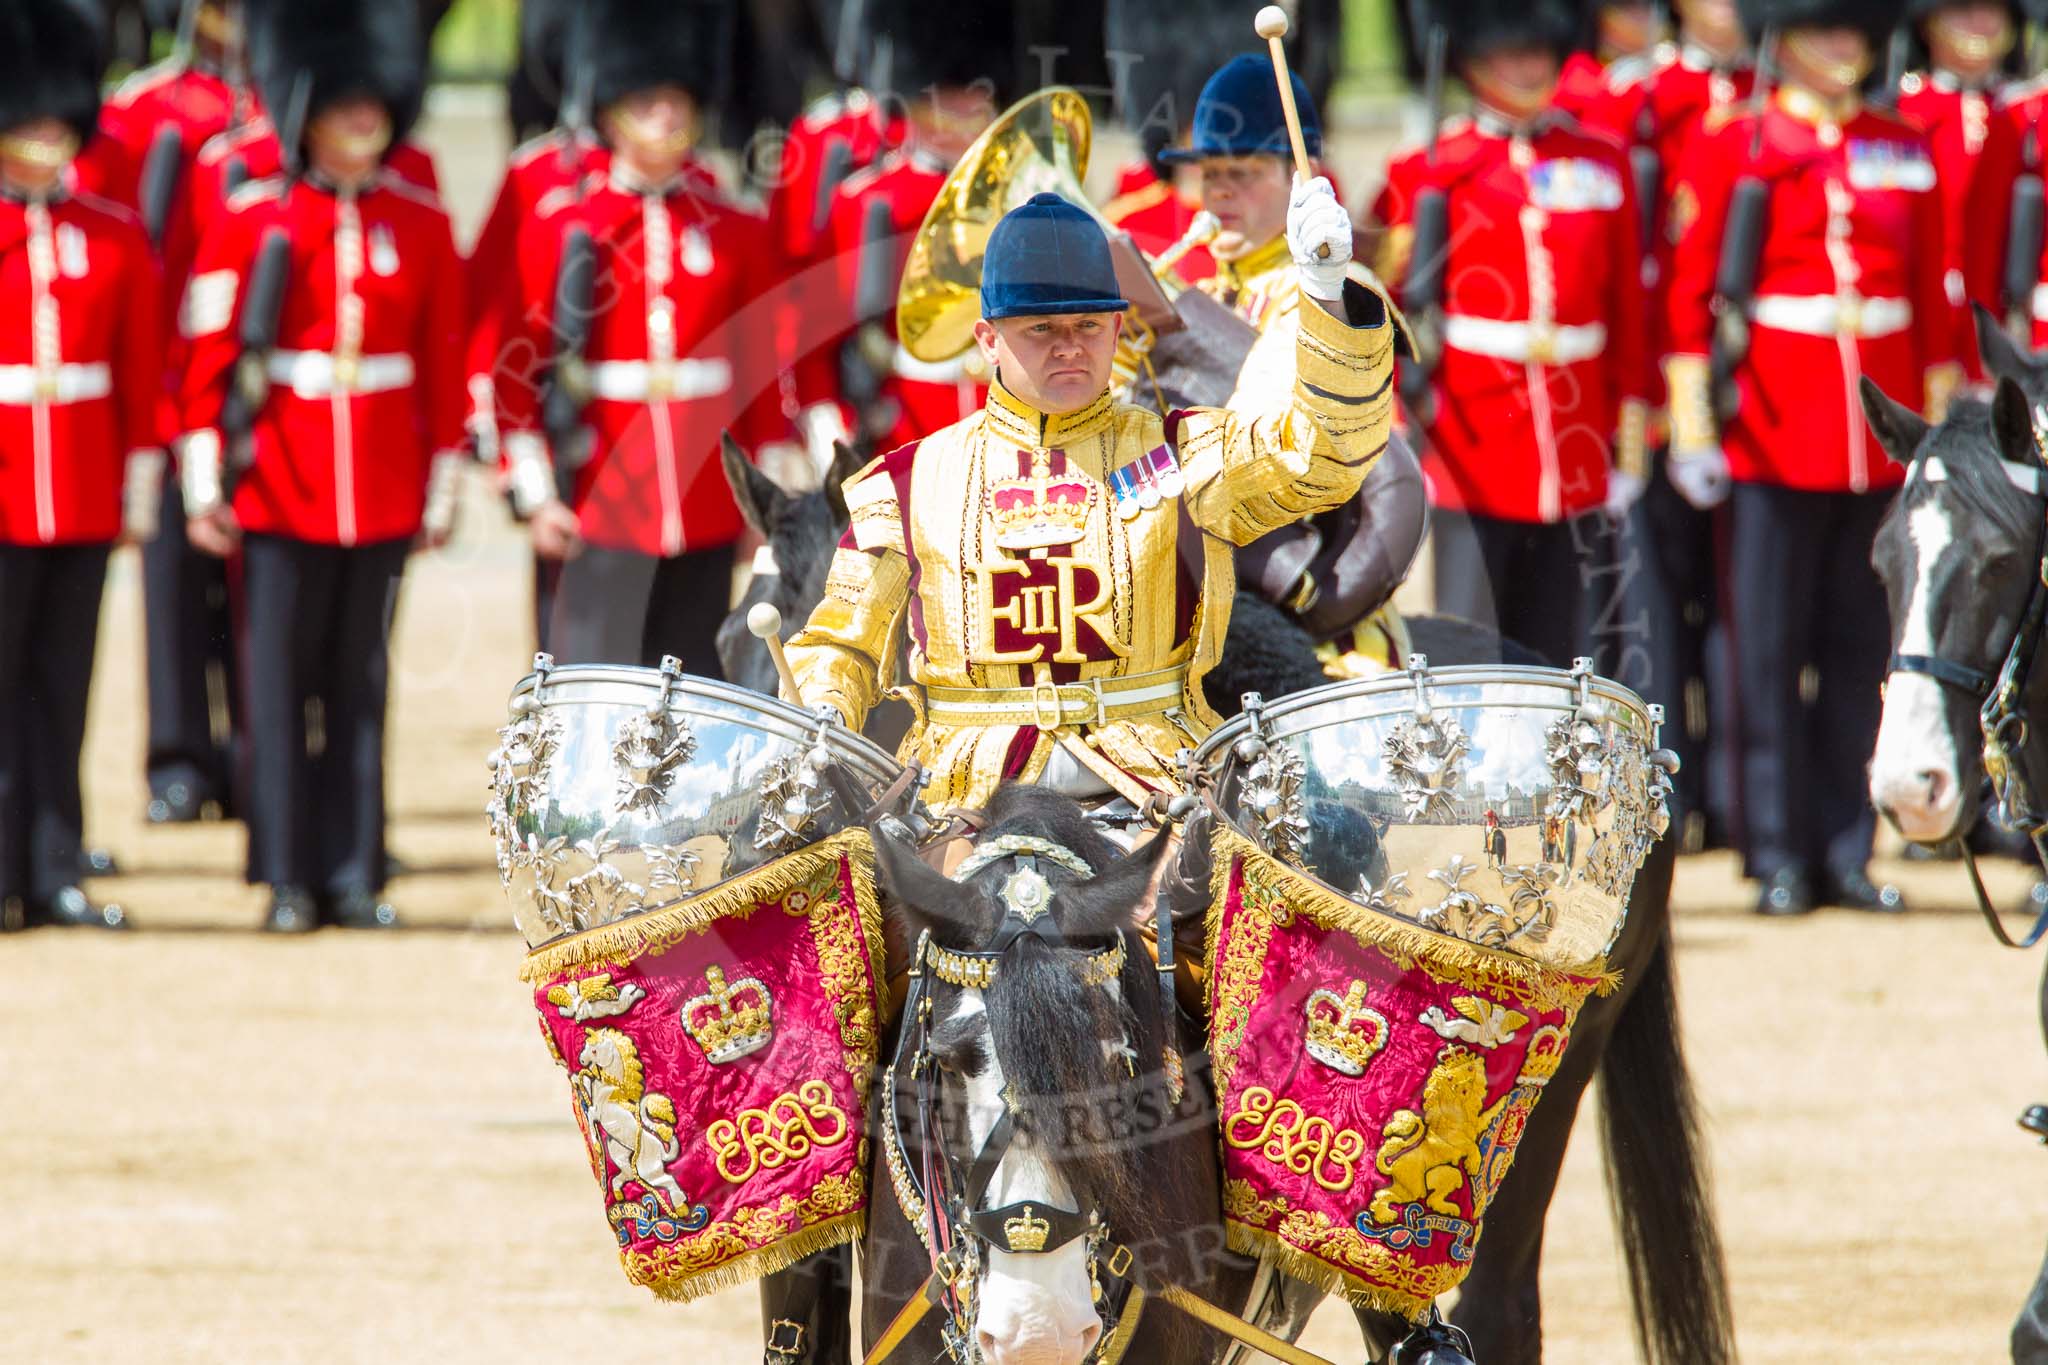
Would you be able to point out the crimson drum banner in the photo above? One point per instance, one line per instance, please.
(719, 1052)
(1373, 1079)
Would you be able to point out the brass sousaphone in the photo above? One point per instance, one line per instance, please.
(1041, 144)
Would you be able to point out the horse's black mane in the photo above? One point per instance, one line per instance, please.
(1110, 1134)
(1968, 447)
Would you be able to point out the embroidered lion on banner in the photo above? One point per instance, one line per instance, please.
(634, 1129)
(1427, 1156)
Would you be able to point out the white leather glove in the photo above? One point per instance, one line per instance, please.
(1700, 476)
(142, 492)
(532, 478)
(444, 493)
(482, 422)
(1623, 490)
(1316, 220)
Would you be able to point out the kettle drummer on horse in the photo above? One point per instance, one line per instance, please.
(1055, 573)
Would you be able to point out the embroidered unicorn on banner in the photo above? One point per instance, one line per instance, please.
(634, 1130)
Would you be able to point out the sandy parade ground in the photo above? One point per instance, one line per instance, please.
(217, 1146)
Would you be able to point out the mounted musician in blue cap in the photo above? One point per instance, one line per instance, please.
(1330, 572)
(1061, 561)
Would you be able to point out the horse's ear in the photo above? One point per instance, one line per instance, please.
(1120, 896)
(758, 496)
(1899, 429)
(922, 892)
(2003, 357)
(2012, 424)
(846, 462)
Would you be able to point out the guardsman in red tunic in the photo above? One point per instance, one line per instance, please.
(1842, 283)
(81, 357)
(1537, 415)
(1624, 40)
(617, 462)
(834, 137)
(1952, 97)
(848, 343)
(150, 134)
(1665, 578)
(323, 420)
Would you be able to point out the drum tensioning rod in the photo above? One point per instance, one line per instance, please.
(765, 624)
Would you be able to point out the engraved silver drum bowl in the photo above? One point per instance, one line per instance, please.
(615, 789)
(1509, 807)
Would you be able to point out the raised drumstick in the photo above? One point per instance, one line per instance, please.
(1271, 24)
(764, 622)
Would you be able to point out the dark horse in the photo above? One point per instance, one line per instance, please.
(1657, 1179)
(1051, 1078)
(1958, 553)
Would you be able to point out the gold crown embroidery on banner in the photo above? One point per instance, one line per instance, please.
(1025, 1232)
(729, 1021)
(1344, 1033)
(1546, 1054)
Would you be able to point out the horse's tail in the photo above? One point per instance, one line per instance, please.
(1657, 1183)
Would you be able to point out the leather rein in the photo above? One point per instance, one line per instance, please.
(2001, 714)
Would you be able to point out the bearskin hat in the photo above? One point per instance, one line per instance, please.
(912, 48)
(1477, 27)
(639, 44)
(1161, 53)
(338, 48)
(51, 55)
(543, 46)
(1877, 18)
(1918, 12)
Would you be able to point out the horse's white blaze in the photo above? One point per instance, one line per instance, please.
(1913, 772)
(1033, 1309)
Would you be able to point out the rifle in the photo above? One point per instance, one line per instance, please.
(1422, 292)
(161, 168)
(871, 355)
(574, 115)
(1741, 247)
(2023, 234)
(1897, 53)
(249, 390)
(567, 387)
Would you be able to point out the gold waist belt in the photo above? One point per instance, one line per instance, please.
(1055, 706)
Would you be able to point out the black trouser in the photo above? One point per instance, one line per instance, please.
(49, 625)
(1669, 582)
(317, 628)
(618, 607)
(1527, 580)
(1803, 595)
(189, 628)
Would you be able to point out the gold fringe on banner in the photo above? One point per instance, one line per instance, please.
(652, 931)
(1440, 953)
(1318, 1273)
(646, 1271)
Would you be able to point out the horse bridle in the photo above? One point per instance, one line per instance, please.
(941, 1198)
(2001, 714)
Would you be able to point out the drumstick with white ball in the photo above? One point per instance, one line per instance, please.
(765, 624)
(1271, 24)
